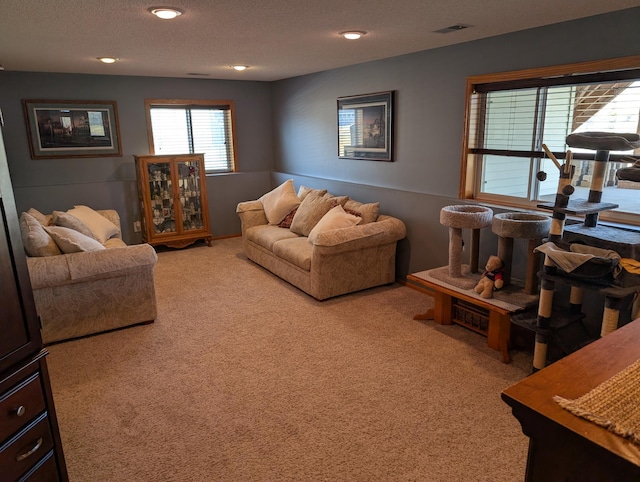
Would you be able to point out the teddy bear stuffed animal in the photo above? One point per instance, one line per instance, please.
(491, 278)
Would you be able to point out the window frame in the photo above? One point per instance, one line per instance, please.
(468, 188)
(192, 103)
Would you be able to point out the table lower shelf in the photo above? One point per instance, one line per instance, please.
(489, 317)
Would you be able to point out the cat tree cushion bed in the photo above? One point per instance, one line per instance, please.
(521, 225)
(604, 141)
(465, 216)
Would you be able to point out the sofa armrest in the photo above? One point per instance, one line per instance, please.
(251, 214)
(64, 269)
(113, 216)
(385, 230)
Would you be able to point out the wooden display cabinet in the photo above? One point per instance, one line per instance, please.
(173, 199)
(30, 444)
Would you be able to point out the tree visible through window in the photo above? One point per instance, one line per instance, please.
(510, 116)
(192, 126)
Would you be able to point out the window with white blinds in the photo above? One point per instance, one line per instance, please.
(510, 120)
(188, 127)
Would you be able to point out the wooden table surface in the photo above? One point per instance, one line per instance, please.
(572, 377)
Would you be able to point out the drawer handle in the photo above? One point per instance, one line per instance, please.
(35, 448)
(20, 411)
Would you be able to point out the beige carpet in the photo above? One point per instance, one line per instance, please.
(245, 378)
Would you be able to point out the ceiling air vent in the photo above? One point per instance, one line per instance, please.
(453, 28)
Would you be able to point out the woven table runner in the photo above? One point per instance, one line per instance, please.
(614, 404)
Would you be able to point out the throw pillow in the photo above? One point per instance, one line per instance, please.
(101, 228)
(310, 212)
(66, 220)
(279, 202)
(286, 222)
(341, 200)
(336, 218)
(35, 239)
(304, 191)
(44, 219)
(369, 212)
(71, 241)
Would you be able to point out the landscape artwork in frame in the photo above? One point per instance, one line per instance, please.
(72, 128)
(365, 126)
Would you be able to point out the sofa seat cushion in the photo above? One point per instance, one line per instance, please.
(266, 235)
(296, 250)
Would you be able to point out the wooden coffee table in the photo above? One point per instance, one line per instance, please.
(489, 317)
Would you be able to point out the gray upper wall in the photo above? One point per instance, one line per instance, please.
(288, 128)
(253, 121)
(109, 182)
(429, 101)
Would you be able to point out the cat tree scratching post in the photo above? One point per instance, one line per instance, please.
(457, 218)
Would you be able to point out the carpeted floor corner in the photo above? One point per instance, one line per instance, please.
(245, 378)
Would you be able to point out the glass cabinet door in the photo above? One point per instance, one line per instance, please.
(161, 193)
(190, 195)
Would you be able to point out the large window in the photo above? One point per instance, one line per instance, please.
(511, 115)
(193, 126)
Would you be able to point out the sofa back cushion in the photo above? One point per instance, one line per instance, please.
(369, 212)
(66, 220)
(310, 211)
(101, 228)
(44, 219)
(36, 240)
(279, 202)
(336, 218)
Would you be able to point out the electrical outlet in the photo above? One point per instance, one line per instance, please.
(137, 227)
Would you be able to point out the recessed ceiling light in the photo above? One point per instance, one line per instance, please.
(353, 34)
(240, 67)
(166, 13)
(108, 60)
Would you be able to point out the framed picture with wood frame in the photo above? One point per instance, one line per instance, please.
(72, 128)
(365, 126)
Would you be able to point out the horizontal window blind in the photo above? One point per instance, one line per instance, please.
(510, 121)
(195, 129)
(518, 121)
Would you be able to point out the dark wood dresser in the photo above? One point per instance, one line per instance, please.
(562, 446)
(30, 446)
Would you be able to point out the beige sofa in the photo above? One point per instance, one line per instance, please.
(338, 261)
(88, 292)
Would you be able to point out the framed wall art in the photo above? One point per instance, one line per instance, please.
(365, 126)
(72, 128)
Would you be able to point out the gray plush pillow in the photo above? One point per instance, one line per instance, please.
(67, 220)
(35, 239)
(310, 211)
(71, 241)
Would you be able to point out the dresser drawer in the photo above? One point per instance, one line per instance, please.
(22, 452)
(45, 471)
(20, 404)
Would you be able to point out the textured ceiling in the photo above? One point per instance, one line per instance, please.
(277, 38)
